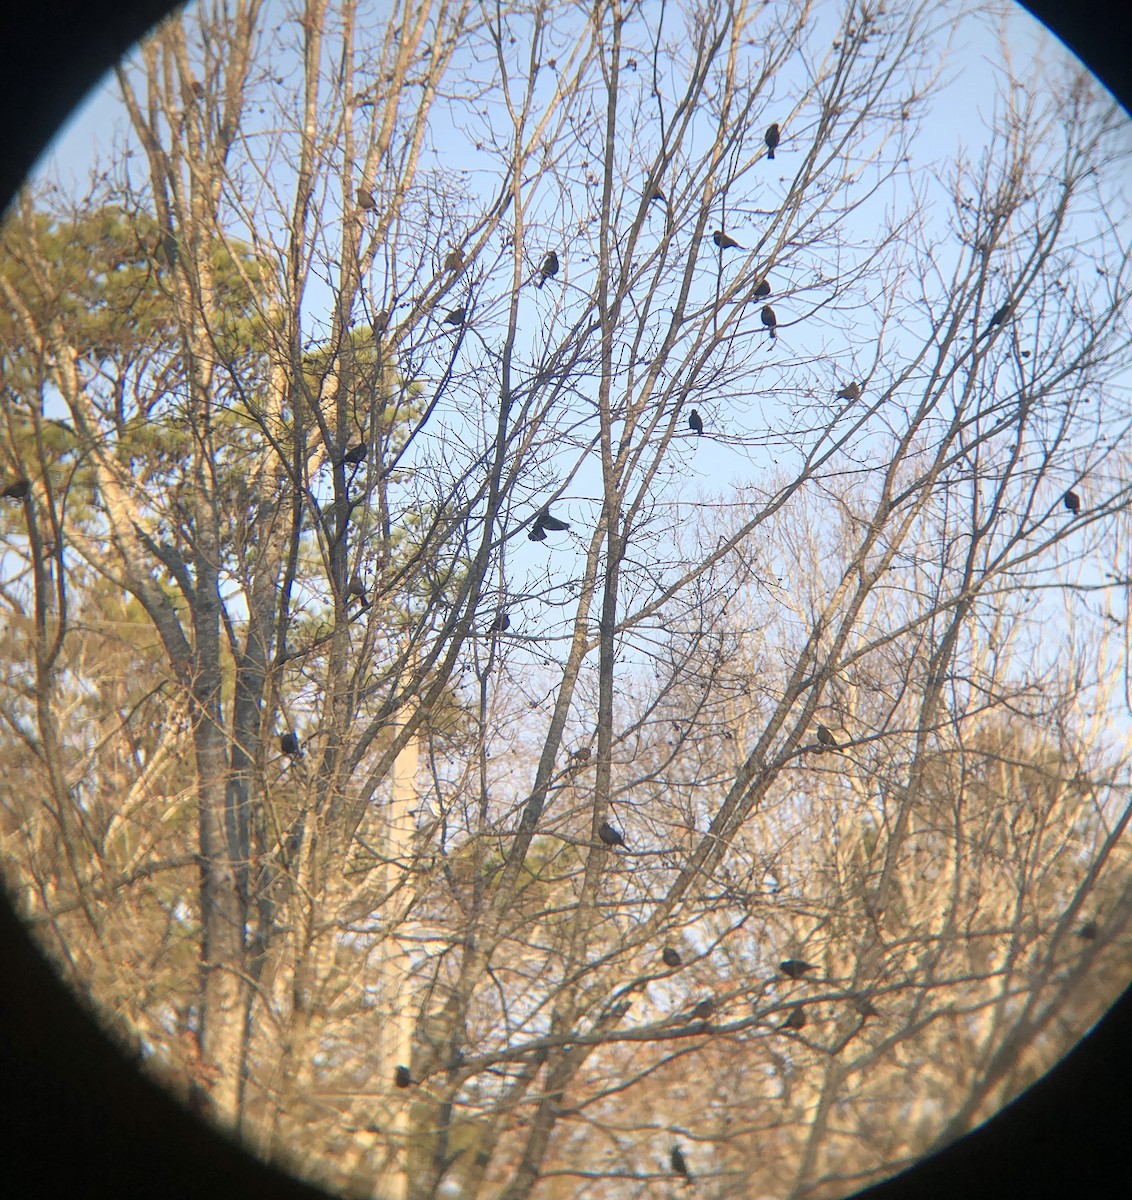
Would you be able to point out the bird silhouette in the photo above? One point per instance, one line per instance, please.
(365, 199)
(289, 744)
(1072, 502)
(1089, 931)
(772, 138)
(537, 534)
(548, 268)
(609, 835)
(864, 1006)
(826, 738)
(694, 423)
(763, 290)
(851, 391)
(796, 1019)
(679, 1166)
(402, 1077)
(1000, 315)
(454, 260)
(501, 623)
(455, 316)
(16, 490)
(770, 320)
(355, 455)
(725, 241)
(704, 1010)
(671, 957)
(544, 521)
(795, 968)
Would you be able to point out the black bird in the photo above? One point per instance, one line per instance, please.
(355, 454)
(537, 534)
(671, 957)
(725, 241)
(289, 744)
(763, 290)
(679, 1166)
(609, 835)
(796, 1019)
(455, 316)
(825, 737)
(1071, 501)
(549, 267)
(501, 623)
(795, 968)
(770, 320)
(16, 490)
(544, 521)
(703, 1010)
(851, 391)
(454, 260)
(366, 200)
(694, 423)
(402, 1078)
(1089, 931)
(772, 138)
(1000, 315)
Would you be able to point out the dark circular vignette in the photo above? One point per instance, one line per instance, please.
(77, 1119)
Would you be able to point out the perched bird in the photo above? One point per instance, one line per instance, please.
(402, 1078)
(581, 756)
(796, 1019)
(851, 391)
(548, 268)
(679, 1166)
(366, 200)
(454, 260)
(770, 320)
(703, 1010)
(501, 623)
(725, 241)
(864, 1006)
(1000, 315)
(825, 737)
(1071, 501)
(16, 490)
(356, 590)
(1089, 931)
(763, 290)
(544, 521)
(380, 321)
(795, 968)
(455, 316)
(671, 957)
(609, 835)
(289, 744)
(355, 454)
(694, 423)
(772, 138)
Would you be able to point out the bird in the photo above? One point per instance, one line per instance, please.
(454, 260)
(355, 454)
(796, 1019)
(851, 391)
(289, 744)
(694, 423)
(795, 968)
(769, 320)
(703, 1010)
(609, 835)
(826, 738)
(1000, 315)
(679, 1166)
(581, 756)
(501, 623)
(16, 490)
(455, 316)
(725, 241)
(1071, 501)
(763, 290)
(671, 957)
(772, 138)
(864, 1006)
(366, 200)
(1089, 931)
(402, 1078)
(544, 521)
(381, 321)
(548, 268)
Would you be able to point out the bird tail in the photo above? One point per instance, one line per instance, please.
(770, 154)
